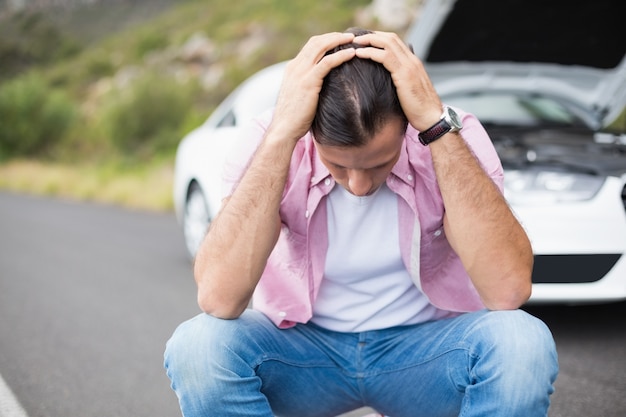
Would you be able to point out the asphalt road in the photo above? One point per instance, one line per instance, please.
(90, 293)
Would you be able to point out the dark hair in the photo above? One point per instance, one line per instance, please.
(356, 100)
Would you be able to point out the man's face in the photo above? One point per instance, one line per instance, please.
(362, 170)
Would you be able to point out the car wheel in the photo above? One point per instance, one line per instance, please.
(196, 219)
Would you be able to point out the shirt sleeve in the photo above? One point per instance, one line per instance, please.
(247, 141)
(482, 147)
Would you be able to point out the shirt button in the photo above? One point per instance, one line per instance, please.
(437, 233)
(282, 314)
(327, 181)
(306, 214)
(410, 177)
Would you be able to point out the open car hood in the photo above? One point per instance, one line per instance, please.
(483, 45)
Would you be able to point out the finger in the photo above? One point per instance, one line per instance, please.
(392, 53)
(389, 59)
(387, 41)
(375, 54)
(317, 46)
(379, 39)
(330, 61)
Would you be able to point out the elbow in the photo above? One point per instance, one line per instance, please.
(509, 300)
(215, 296)
(515, 285)
(512, 294)
(222, 307)
(511, 287)
(218, 310)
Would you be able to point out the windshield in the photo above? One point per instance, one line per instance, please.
(516, 110)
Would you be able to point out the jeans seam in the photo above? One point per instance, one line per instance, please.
(264, 359)
(389, 371)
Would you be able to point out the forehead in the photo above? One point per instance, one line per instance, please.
(381, 149)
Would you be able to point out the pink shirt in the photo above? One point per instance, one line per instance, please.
(295, 268)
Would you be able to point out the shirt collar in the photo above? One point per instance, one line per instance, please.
(319, 171)
(402, 169)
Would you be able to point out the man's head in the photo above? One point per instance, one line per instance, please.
(359, 124)
(357, 99)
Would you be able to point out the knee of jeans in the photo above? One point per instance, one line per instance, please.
(196, 358)
(518, 340)
(200, 344)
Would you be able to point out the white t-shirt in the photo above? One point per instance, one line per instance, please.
(366, 285)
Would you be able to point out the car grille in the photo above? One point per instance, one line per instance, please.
(561, 269)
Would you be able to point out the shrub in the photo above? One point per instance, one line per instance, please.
(98, 65)
(33, 117)
(149, 41)
(148, 116)
(29, 39)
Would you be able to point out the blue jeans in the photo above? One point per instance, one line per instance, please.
(487, 363)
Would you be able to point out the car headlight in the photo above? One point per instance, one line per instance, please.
(542, 187)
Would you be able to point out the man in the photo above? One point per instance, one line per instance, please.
(386, 266)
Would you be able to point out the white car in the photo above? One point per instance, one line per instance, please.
(200, 155)
(546, 106)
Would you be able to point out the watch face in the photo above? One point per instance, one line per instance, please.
(455, 120)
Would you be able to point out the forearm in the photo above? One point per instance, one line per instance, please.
(233, 255)
(480, 226)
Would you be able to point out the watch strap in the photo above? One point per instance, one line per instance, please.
(434, 132)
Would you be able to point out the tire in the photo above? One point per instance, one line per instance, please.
(196, 219)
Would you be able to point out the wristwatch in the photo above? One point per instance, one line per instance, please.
(449, 122)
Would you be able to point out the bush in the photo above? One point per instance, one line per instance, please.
(29, 39)
(147, 118)
(33, 117)
(149, 41)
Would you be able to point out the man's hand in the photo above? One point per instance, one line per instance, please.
(420, 102)
(302, 83)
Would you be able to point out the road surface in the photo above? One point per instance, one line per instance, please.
(90, 293)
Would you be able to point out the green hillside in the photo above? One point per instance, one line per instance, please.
(94, 98)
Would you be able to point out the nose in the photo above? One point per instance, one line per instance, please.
(359, 182)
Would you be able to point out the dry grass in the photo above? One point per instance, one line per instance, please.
(148, 187)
